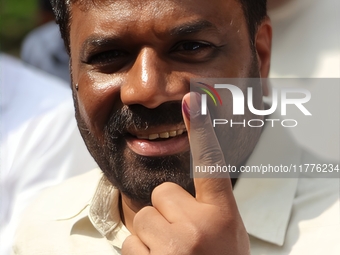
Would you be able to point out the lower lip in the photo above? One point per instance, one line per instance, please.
(158, 148)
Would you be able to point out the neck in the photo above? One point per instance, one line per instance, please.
(129, 208)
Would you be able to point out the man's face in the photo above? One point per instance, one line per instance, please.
(133, 61)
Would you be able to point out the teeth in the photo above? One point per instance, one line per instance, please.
(162, 135)
(172, 133)
(179, 132)
(153, 136)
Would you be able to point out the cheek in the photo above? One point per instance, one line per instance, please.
(235, 62)
(98, 96)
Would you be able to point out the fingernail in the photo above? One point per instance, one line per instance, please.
(195, 102)
(186, 109)
(194, 109)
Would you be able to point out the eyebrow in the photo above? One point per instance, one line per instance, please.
(99, 41)
(192, 27)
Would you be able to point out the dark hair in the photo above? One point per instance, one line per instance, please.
(45, 5)
(254, 10)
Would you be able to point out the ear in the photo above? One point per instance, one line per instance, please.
(263, 44)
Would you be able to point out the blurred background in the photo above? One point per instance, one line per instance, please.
(29, 32)
(40, 144)
(17, 19)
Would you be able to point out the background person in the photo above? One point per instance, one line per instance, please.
(39, 140)
(44, 48)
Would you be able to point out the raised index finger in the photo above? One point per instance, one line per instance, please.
(211, 187)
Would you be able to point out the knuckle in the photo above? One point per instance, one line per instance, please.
(197, 238)
(129, 242)
(163, 190)
(142, 215)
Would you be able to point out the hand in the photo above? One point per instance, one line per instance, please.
(180, 224)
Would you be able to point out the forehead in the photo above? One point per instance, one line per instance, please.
(155, 5)
(156, 14)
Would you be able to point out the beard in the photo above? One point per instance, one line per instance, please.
(134, 175)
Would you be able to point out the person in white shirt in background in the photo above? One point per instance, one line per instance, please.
(306, 45)
(44, 49)
(39, 139)
(43, 46)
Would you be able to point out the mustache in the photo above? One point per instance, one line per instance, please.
(139, 117)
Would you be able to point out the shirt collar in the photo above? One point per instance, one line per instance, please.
(77, 202)
(104, 213)
(265, 204)
(97, 207)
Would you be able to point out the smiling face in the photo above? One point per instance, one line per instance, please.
(133, 61)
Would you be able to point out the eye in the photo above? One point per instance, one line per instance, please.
(107, 57)
(194, 51)
(193, 46)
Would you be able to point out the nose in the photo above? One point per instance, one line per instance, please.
(152, 81)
